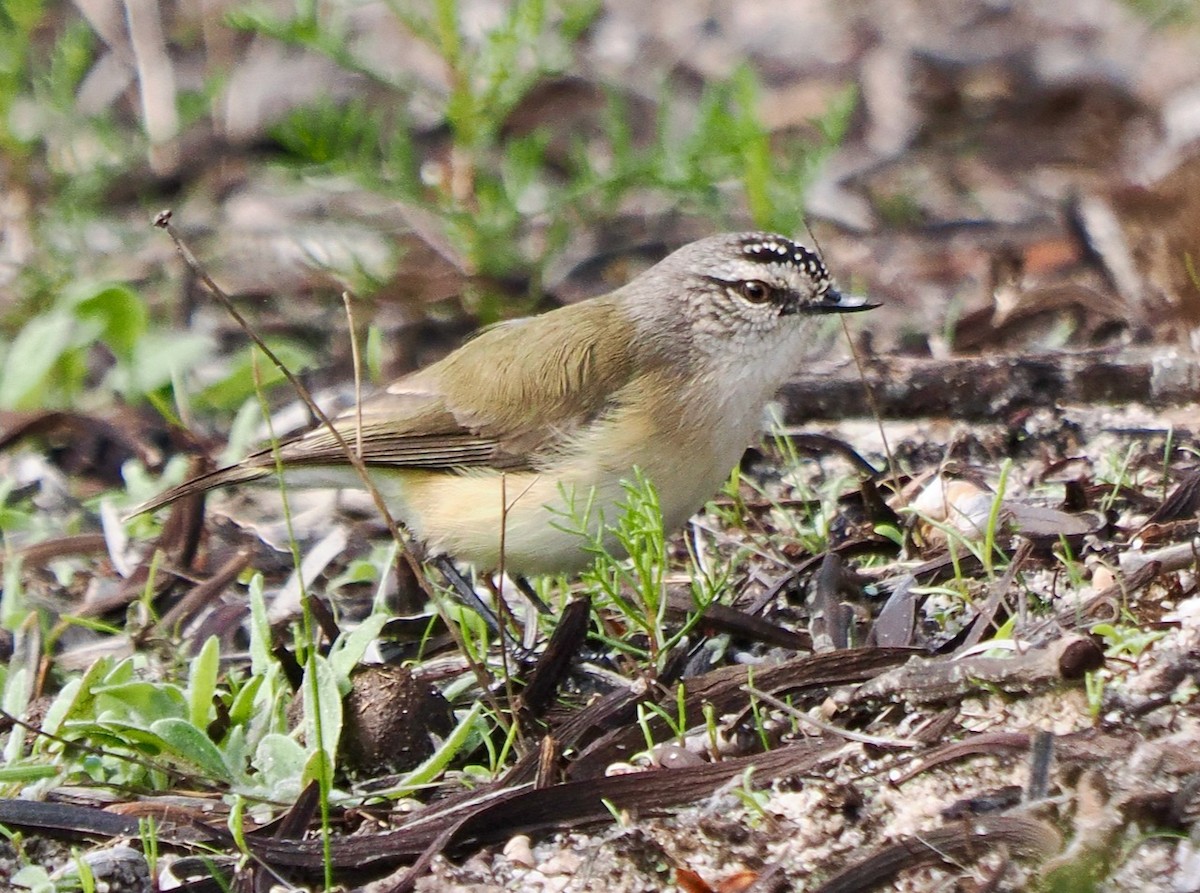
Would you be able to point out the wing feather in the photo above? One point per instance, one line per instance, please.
(508, 399)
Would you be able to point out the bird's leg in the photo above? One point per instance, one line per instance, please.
(534, 605)
(506, 618)
(524, 651)
(495, 585)
(530, 593)
(466, 592)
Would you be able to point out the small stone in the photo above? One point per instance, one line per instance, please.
(519, 852)
(621, 768)
(561, 864)
(672, 756)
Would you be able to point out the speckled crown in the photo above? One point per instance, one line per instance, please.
(770, 249)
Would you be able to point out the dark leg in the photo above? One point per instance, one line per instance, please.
(534, 598)
(466, 592)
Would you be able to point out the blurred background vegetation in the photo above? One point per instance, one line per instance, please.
(439, 159)
(1007, 177)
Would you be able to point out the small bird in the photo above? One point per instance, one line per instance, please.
(493, 454)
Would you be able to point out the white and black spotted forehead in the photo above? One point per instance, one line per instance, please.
(770, 249)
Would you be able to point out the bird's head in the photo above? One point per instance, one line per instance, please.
(749, 292)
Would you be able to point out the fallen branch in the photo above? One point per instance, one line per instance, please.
(993, 387)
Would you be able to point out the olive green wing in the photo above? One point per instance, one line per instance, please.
(508, 400)
(514, 394)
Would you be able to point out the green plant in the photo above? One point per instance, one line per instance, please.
(1128, 641)
(1075, 569)
(991, 548)
(47, 363)
(891, 532)
(759, 714)
(676, 722)
(38, 86)
(1164, 13)
(1094, 682)
(1168, 449)
(19, 20)
(754, 800)
(34, 878)
(466, 734)
(247, 375)
(148, 835)
(636, 587)
(146, 731)
(1119, 475)
(492, 185)
(727, 145)
(981, 541)
(487, 77)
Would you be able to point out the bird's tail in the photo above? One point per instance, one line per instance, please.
(222, 477)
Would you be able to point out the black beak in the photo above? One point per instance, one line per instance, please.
(833, 301)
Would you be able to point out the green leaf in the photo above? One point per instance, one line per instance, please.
(18, 689)
(183, 740)
(260, 629)
(120, 673)
(22, 15)
(146, 701)
(374, 353)
(26, 773)
(318, 768)
(13, 610)
(32, 357)
(119, 310)
(109, 733)
(360, 570)
(229, 393)
(202, 683)
(155, 359)
(348, 650)
(235, 747)
(34, 878)
(429, 770)
(243, 702)
(322, 706)
(73, 696)
(280, 763)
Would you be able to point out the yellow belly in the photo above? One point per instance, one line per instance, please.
(521, 523)
(531, 522)
(527, 523)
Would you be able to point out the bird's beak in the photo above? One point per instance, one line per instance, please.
(833, 301)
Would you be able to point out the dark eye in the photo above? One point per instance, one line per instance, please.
(756, 292)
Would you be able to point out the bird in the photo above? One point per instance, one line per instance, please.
(503, 451)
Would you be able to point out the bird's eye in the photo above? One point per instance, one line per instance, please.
(756, 292)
